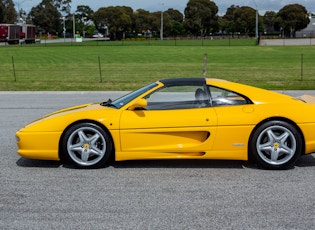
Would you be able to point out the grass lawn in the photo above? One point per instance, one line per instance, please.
(129, 65)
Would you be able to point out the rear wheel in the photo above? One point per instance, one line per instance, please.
(276, 145)
(86, 145)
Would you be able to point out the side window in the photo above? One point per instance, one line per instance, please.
(177, 97)
(223, 97)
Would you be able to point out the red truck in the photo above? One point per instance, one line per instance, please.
(14, 34)
(27, 33)
(10, 33)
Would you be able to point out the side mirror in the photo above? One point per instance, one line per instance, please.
(140, 104)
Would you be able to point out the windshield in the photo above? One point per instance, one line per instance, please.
(120, 102)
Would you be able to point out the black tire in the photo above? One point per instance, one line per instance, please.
(86, 145)
(276, 145)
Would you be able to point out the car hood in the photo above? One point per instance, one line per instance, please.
(309, 99)
(65, 110)
(59, 120)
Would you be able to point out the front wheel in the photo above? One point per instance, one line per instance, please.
(86, 145)
(276, 145)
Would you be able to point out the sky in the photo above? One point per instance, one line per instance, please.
(158, 5)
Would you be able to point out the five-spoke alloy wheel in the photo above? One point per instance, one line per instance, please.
(276, 145)
(86, 145)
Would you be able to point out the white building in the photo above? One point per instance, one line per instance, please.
(309, 31)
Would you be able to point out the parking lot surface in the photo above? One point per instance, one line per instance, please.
(142, 194)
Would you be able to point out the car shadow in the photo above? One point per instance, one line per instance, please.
(304, 161)
(179, 164)
(31, 163)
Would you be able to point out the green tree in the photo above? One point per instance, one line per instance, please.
(227, 21)
(201, 17)
(175, 15)
(177, 28)
(269, 21)
(85, 12)
(154, 20)
(292, 18)
(118, 19)
(245, 20)
(84, 15)
(141, 21)
(62, 5)
(46, 17)
(240, 20)
(1, 11)
(7, 12)
(175, 22)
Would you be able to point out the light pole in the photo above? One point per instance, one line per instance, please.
(83, 22)
(256, 29)
(162, 21)
(19, 11)
(64, 28)
(73, 18)
(68, 10)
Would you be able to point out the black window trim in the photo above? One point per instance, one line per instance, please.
(183, 81)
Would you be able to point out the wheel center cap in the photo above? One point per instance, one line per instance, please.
(276, 145)
(86, 146)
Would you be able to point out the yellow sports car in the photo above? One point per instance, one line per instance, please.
(186, 118)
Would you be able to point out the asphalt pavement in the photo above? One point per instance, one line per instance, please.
(142, 194)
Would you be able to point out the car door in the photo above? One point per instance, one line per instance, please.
(236, 119)
(173, 121)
